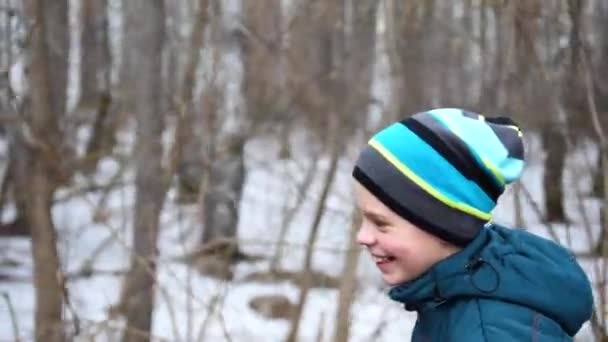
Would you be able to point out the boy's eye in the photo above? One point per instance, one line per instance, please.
(381, 225)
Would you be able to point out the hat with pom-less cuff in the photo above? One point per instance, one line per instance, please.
(443, 170)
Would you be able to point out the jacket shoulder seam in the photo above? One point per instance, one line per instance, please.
(535, 326)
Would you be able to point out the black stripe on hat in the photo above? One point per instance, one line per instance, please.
(454, 150)
(508, 136)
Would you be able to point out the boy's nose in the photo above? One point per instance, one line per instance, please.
(365, 236)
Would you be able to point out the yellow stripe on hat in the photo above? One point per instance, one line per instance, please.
(426, 186)
(494, 170)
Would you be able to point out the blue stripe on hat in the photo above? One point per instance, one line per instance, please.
(511, 169)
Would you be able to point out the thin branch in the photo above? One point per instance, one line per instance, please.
(290, 213)
(6, 180)
(590, 97)
(216, 300)
(189, 311)
(539, 213)
(13, 317)
(328, 181)
(579, 193)
(98, 327)
(184, 102)
(221, 317)
(162, 290)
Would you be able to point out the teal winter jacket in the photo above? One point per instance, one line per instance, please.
(506, 285)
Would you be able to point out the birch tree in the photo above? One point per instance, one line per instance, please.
(144, 32)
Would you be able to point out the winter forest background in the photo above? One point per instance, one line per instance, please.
(180, 170)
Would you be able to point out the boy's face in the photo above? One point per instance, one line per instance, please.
(400, 250)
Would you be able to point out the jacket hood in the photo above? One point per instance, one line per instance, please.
(509, 265)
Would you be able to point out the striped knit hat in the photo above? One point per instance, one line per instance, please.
(443, 170)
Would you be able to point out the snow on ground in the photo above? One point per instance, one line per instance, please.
(187, 302)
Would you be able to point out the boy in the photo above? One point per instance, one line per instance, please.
(426, 187)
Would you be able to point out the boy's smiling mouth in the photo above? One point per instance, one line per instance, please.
(382, 259)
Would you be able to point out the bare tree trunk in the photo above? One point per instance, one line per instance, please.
(447, 61)
(262, 54)
(6, 39)
(348, 283)
(554, 141)
(464, 82)
(223, 195)
(496, 91)
(407, 29)
(598, 177)
(39, 168)
(147, 31)
(226, 178)
(226, 164)
(178, 16)
(191, 168)
(536, 94)
(483, 51)
(96, 97)
(555, 147)
(57, 47)
(129, 60)
(17, 226)
(518, 217)
(94, 23)
(600, 88)
(103, 138)
(359, 55)
(31, 180)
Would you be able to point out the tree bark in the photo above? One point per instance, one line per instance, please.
(226, 172)
(359, 58)
(57, 48)
(96, 95)
(39, 168)
(226, 179)
(147, 31)
(598, 176)
(191, 166)
(94, 19)
(536, 94)
(261, 57)
(555, 147)
(48, 278)
(407, 29)
(348, 283)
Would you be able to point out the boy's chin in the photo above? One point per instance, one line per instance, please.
(395, 279)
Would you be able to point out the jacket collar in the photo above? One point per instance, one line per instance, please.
(438, 284)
